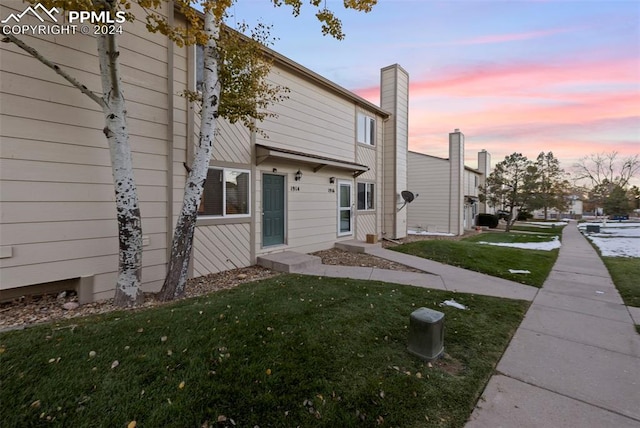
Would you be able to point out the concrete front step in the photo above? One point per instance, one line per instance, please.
(354, 246)
(289, 262)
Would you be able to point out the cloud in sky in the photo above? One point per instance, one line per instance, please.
(529, 75)
(589, 103)
(503, 38)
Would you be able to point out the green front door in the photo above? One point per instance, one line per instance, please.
(272, 210)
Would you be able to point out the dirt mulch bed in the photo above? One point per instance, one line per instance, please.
(30, 310)
(345, 258)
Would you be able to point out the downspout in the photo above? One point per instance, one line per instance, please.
(170, 130)
(383, 201)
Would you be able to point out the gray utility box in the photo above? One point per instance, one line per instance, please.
(426, 333)
(593, 228)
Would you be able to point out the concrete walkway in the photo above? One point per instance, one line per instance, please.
(575, 359)
(436, 275)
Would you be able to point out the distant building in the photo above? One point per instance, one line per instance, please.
(448, 191)
(573, 211)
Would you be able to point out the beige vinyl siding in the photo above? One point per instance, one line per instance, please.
(366, 224)
(429, 177)
(58, 210)
(367, 155)
(311, 120)
(470, 177)
(219, 248)
(316, 121)
(367, 221)
(181, 108)
(232, 143)
(226, 246)
(394, 98)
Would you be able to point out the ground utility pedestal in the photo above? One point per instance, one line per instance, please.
(426, 333)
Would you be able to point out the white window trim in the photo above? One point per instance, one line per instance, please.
(350, 208)
(224, 196)
(369, 131)
(366, 195)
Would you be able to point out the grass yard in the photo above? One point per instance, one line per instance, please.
(625, 272)
(284, 352)
(491, 260)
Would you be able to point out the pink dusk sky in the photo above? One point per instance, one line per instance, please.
(513, 76)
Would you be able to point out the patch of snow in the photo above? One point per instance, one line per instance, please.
(617, 247)
(544, 246)
(616, 239)
(518, 271)
(425, 233)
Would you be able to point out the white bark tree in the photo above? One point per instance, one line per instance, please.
(112, 103)
(182, 243)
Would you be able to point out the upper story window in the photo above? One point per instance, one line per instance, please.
(366, 129)
(226, 193)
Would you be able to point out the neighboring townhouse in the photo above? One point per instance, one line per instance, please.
(331, 169)
(448, 191)
(574, 210)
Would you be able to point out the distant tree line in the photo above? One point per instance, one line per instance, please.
(517, 186)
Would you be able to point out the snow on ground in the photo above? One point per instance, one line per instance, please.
(425, 233)
(544, 246)
(615, 239)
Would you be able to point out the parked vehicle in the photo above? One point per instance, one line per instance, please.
(503, 215)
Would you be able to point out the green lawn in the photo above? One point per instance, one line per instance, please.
(625, 272)
(491, 260)
(284, 352)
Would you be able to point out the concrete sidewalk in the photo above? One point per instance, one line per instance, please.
(575, 359)
(436, 275)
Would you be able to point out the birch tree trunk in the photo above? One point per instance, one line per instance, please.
(175, 281)
(128, 291)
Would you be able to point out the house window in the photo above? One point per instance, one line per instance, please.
(226, 193)
(366, 196)
(366, 129)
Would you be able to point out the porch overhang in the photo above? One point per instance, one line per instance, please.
(317, 162)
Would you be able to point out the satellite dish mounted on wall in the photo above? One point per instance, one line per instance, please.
(408, 198)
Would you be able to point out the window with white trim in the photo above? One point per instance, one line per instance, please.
(366, 129)
(366, 196)
(226, 193)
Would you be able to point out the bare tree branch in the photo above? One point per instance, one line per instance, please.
(604, 168)
(10, 38)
